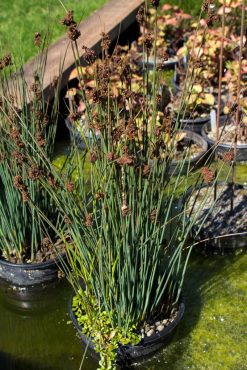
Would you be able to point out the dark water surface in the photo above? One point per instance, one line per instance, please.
(35, 333)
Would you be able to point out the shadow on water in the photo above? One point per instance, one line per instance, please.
(8, 362)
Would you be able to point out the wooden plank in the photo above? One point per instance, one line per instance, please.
(113, 18)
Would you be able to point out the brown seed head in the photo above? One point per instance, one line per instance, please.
(69, 186)
(153, 215)
(89, 55)
(89, 220)
(35, 173)
(68, 20)
(155, 3)
(24, 195)
(105, 42)
(110, 156)
(37, 39)
(227, 157)
(93, 157)
(140, 17)
(73, 33)
(207, 174)
(51, 180)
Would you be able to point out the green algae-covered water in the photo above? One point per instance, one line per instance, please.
(35, 335)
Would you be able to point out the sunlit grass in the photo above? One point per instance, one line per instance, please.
(20, 19)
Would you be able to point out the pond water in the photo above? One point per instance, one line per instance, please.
(35, 333)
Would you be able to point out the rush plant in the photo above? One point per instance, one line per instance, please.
(27, 126)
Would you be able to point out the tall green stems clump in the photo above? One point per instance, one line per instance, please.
(129, 232)
(27, 127)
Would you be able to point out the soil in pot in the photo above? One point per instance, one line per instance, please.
(47, 252)
(217, 234)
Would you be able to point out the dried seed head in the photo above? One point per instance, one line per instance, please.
(68, 20)
(212, 18)
(73, 33)
(67, 220)
(148, 41)
(5, 61)
(99, 195)
(74, 116)
(125, 160)
(146, 170)
(125, 210)
(19, 157)
(46, 120)
(69, 186)
(37, 39)
(46, 242)
(155, 3)
(207, 174)
(105, 42)
(130, 130)
(89, 220)
(207, 5)
(51, 180)
(89, 55)
(110, 156)
(140, 17)
(24, 195)
(227, 157)
(35, 173)
(153, 215)
(93, 157)
(40, 139)
(18, 183)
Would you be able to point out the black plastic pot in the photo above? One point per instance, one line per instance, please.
(196, 161)
(76, 137)
(150, 63)
(221, 148)
(126, 355)
(224, 245)
(27, 274)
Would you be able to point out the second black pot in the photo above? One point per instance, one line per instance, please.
(31, 274)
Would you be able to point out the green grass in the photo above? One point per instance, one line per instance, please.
(20, 19)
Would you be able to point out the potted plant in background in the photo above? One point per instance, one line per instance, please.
(28, 246)
(226, 229)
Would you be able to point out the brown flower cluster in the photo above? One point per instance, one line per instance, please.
(35, 173)
(207, 174)
(140, 17)
(5, 61)
(228, 157)
(37, 39)
(155, 3)
(68, 21)
(18, 184)
(89, 220)
(105, 42)
(89, 55)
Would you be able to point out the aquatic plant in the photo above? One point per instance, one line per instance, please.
(28, 126)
